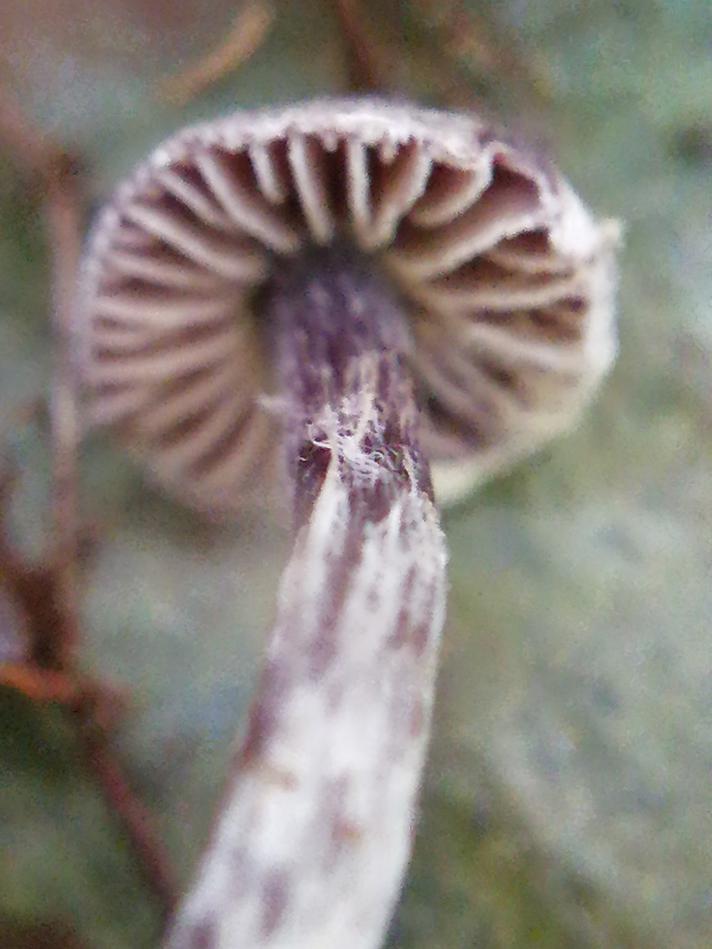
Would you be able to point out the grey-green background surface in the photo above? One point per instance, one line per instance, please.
(568, 799)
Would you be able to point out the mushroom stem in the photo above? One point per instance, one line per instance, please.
(313, 840)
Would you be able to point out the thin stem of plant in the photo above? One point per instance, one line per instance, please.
(64, 223)
(315, 832)
(368, 64)
(465, 44)
(47, 593)
(131, 814)
(248, 32)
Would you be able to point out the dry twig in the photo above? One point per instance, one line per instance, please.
(46, 593)
(246, 35)
(369, 67)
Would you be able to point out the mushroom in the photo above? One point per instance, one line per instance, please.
(354, 293)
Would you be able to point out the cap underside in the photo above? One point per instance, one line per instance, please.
(508, 280)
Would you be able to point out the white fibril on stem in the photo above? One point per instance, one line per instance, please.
(315, 833)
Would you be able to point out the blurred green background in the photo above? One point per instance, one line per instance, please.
(568, 797)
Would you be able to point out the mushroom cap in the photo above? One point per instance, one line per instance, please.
(506, 277)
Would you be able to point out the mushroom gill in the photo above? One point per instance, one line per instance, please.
(506, 278)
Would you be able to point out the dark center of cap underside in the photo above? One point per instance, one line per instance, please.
(338, 302)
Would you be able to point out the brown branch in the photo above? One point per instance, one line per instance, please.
(31, 150)
(246, 35)
(133, 818)
(369, 68)
(63, 222)
(47, 593)
(38, 684)
(468, 45)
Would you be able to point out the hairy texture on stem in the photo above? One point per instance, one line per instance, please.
(314, 837)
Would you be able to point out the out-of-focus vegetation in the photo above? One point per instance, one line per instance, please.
(569, 791)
